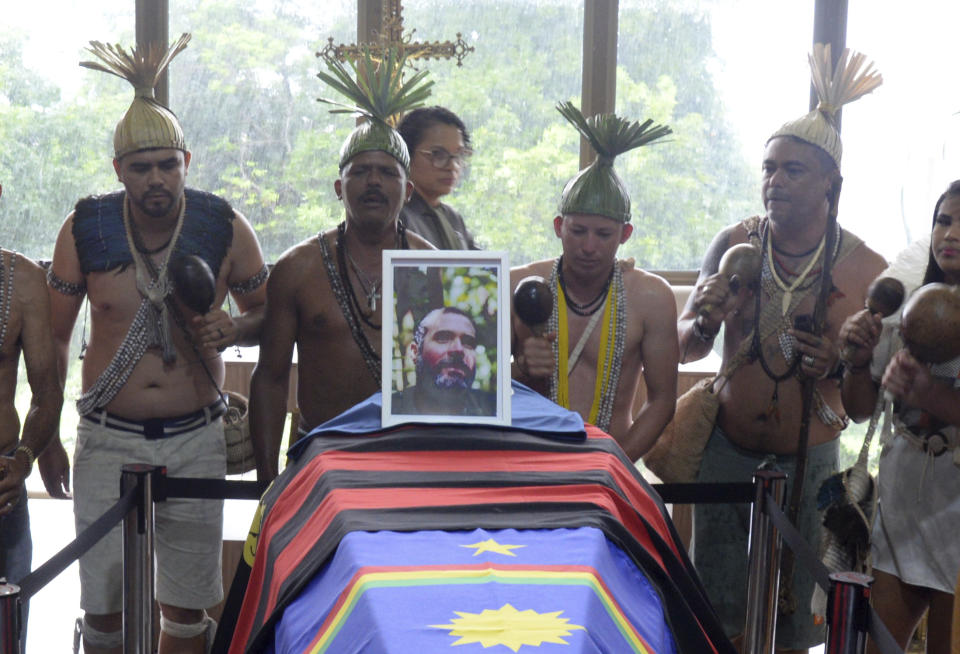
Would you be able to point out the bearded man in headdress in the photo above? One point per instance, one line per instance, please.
(780, 399)
(610, 321)
(324, 293)
(152, 371)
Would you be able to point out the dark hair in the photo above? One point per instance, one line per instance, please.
(934, 273)
(420, 332)
(415, 123)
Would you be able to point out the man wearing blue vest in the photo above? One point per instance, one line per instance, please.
(152, 371)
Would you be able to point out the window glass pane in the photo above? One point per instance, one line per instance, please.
(902, 143)
(724, 75)
(56, 119)
(246, 92)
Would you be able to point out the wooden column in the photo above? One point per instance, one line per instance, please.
(599, 92)
(153, 26)
(829, 26)
(369, 20)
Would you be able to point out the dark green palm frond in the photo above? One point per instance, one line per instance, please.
(609, 134)
(376, 88)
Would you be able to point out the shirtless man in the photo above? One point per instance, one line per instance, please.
(24, 327)
(324, 296)
(635, 309)
(152, 369)
(768, 351)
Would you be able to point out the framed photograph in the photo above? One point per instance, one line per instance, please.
(446, 337)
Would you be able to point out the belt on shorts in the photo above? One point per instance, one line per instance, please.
(156, 428)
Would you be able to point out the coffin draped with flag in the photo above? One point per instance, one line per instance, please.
(430, 538)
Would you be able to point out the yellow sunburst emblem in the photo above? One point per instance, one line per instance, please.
(491, 545)
(509, 627)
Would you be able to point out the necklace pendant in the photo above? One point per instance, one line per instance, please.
(785, 306)
(372, 301)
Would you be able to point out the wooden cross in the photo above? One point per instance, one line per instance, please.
(391, 36)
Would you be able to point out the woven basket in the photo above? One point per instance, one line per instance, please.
(236, 432)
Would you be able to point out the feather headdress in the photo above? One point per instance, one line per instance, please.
(147, 123)
(852, 78)
(597, 189)
(378, 94)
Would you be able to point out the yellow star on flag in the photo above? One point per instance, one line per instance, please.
(509, 627)
(491, 545)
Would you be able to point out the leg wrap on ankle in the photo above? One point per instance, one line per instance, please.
(102, 639)
(179, 630)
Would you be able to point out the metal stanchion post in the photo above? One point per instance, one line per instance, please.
(9, 618)
(763, 566)
(138, 561)
(847, 613)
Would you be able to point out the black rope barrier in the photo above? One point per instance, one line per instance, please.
(821, 575)
(727, 493)
(202, 488)
(207, 489)
(60, 561)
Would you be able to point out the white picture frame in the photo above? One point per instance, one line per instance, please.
(456, 289)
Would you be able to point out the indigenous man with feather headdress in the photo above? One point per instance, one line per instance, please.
(610, 321)
(781, 400)
(324, 293)
(152, 372)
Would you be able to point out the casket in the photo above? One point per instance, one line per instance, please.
(540, 537)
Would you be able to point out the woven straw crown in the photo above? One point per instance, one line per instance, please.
(597, 189)
(379, 96)
(835, 87)
(147, 123)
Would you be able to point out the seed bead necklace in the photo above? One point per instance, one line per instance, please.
(6, 296)
(609, 358)
(343, 293)
(595, 303)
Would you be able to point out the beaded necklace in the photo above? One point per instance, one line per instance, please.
(153, 283)
(610, 355)
(789, 289)
(769, 319)
(6, 297)
(582, 309)
(340, 285)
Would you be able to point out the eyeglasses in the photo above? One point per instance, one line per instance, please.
(440, 158)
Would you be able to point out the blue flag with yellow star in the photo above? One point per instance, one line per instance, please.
(563, 590)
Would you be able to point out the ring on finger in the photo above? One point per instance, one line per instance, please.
(808, 360)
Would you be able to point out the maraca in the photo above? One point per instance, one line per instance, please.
(533, 303)
(884, 296)
(740, 265)
(193, 282)
(931, 323)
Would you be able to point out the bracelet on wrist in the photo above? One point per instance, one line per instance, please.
(31, 457)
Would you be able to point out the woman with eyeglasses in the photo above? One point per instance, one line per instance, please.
(439, 148)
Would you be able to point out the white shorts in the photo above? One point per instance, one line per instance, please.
(189, 532)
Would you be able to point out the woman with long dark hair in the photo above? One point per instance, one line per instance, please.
(915, 548)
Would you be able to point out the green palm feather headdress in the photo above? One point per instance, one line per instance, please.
(379, 95)
(597, 189)
(835, 87)
(147, 123)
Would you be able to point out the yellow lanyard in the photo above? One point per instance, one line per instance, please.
(604, 358)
